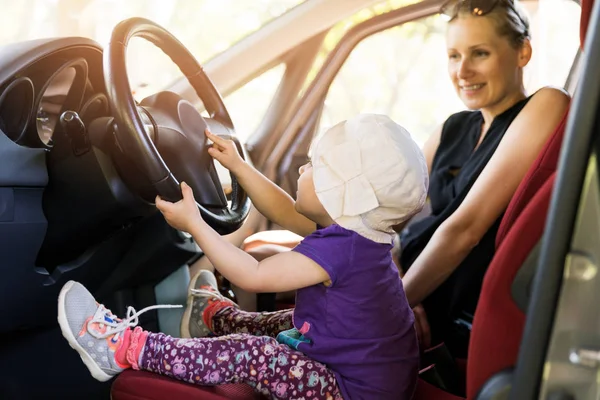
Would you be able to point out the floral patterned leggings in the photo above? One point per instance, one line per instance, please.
(247, 352)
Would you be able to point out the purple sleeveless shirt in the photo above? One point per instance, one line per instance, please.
(361, 326)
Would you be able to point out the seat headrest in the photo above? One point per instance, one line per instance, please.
(586, 12)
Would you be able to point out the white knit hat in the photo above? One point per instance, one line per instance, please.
(369, 175)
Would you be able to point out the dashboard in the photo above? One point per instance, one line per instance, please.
(84, 192)
(32, 100)
(67, 207)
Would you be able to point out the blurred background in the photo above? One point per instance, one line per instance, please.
(411, 69)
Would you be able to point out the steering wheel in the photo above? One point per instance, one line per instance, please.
(164, 134)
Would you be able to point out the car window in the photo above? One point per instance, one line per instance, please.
(402, 71)
(555, 40)
(248, 104)
(205, 27)
(247, 107)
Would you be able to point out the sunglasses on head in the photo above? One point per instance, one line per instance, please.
(477, 8)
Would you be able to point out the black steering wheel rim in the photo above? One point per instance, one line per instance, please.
(130, 130)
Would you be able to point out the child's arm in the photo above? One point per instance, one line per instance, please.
(283, 272)
(268, 198)
(280, 273)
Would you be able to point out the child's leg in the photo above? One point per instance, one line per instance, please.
(233, 320)
(107, 346)
(271, 368)
(209, 312)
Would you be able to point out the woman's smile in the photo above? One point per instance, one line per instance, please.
(471, 89)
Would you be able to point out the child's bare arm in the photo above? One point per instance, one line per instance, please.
(280, 273)
(268, 198)
(286, 271)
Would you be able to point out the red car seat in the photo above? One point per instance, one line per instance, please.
(497, 315)
(141, 385)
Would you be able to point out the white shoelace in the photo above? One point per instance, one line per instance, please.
(118, 326)
(208, 293)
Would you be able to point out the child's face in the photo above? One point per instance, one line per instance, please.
(307, 202)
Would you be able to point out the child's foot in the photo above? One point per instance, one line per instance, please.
(91, 329)
(104, 342)
(204, 301)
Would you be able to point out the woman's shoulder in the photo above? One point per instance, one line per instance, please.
(544, 110)
(545, 105)
(552, 91)
(549, 96)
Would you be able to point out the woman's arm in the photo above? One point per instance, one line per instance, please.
(429, 149)
(489, 196)
(431, 145)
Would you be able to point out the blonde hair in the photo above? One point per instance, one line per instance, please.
(511, 21)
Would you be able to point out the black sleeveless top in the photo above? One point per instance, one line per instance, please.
(454, 170)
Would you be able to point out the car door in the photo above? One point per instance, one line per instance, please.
(559, 356)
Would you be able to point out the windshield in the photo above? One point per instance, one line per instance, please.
(205, 27)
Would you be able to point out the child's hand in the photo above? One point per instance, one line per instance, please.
(225, 152)
(183, 215)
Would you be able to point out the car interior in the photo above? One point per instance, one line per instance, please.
(81, 162)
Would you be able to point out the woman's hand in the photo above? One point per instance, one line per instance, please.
(225, 152)
(422, 327)
(183, 215)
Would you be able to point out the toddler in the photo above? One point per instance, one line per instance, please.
(351, 335)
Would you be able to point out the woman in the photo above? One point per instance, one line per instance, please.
(476, 160)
